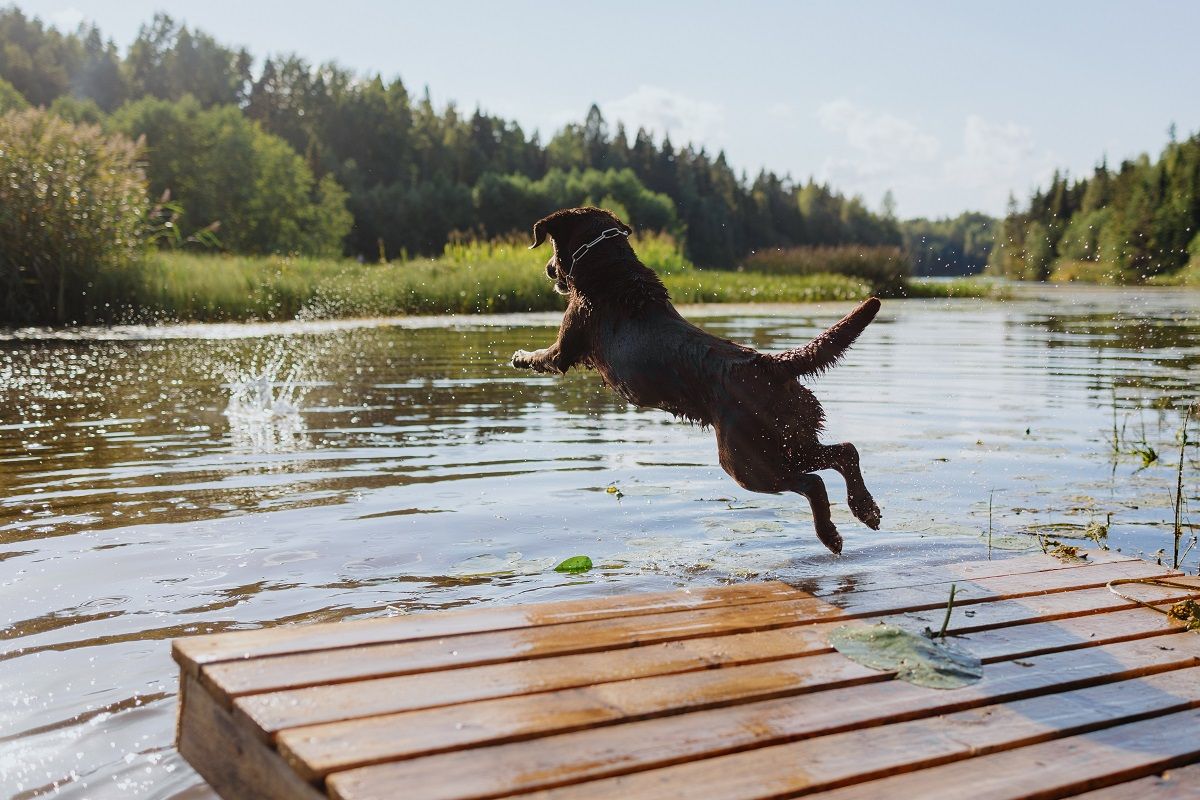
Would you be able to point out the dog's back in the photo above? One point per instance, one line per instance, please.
(658, 359)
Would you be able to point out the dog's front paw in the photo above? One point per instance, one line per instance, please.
(829, 536)
(865, 508)
(521, 359)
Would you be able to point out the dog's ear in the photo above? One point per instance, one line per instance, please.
(539, 234)
(551, 225)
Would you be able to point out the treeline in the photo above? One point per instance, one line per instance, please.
(286, 155)
(1133, 224)
(955, 246)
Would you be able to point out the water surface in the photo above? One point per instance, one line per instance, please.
(163, 482)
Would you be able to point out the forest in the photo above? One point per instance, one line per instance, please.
(276, 155)
(1133, 224)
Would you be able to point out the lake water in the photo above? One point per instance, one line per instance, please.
(164, 482)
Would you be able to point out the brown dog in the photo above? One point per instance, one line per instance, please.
(620, 322)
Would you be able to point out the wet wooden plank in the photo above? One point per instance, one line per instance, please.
(587, 754)
(319, 749)
(736, 691)
(1057, 768)
(1181, 783)
(274, 711)
(967, 571)
(229, 757)
(198, 650)
(252, 676)
(999, 567)
(853, 756)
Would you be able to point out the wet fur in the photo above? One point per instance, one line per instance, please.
(620, 322)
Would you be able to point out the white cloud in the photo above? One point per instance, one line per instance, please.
(66, 19)
(878, 136)
(663, 112)
(883, 151)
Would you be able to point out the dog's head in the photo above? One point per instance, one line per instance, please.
(570, 229)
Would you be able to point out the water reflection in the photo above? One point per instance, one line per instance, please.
(161, 483)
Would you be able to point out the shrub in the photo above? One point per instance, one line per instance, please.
(883, 269)
(72, 202)
(10, 98)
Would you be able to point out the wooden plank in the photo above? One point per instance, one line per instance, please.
(1182, 783)
(196, 650)
(965, 571)
(639, 745)
(1058, 768)
(229, 757)
(884, 580)
(253, 676)
(274, 711)
(855, 756)
(320, 749)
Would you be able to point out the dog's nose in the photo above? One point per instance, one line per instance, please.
(553, 273)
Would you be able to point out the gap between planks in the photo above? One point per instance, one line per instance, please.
(231, 679)
(722, 706)
(270, 712)
(195, 651)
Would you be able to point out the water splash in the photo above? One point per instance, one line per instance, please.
(264, 406)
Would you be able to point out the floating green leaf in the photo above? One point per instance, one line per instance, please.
(575, 564)
(913, 657)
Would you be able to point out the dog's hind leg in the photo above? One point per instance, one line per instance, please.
(812, 487)
(844, 458)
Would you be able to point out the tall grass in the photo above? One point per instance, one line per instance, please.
(467, 278)
(883, 269)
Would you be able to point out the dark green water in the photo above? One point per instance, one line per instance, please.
(161, 482)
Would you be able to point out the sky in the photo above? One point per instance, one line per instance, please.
(950, 105)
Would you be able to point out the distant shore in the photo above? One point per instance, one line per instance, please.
(475, 278)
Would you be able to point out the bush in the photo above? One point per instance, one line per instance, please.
(10, 98)
(221, 167)
(883, 269)
(71, 209)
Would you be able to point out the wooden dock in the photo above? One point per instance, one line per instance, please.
(729, 692)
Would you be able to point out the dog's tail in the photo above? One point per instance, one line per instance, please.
(827, 349)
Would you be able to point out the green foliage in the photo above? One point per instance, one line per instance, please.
(418, 176)
(506, 203)
(1039, 253)
(171, 62)
(720, 286)
(882, 269)
(957, 287)
(954, 246)
(1131, 225)
(71, 210)
(77, 111)
(1081, 239)
(10, 98)
(469, 277)
(221, 167)
(575, 564)
(44, 64)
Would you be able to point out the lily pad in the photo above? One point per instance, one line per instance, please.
(575, 564)
(912, 656)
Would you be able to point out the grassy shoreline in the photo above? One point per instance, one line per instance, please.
(471, 278)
